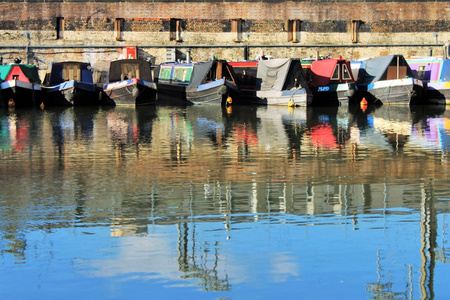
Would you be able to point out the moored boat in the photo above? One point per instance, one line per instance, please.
(212, 82)
(20, 85)
(70, 83)
(387, 80)
(331, 82)
(172, 81)
(278, 81)
(130, 82)
(435, 74)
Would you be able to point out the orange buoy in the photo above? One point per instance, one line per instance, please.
(229, 100)
(363, 104)
(11, 103)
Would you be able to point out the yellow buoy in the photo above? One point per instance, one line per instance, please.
(291, 103)
(229, 100)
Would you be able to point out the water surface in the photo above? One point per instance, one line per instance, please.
(243, 202)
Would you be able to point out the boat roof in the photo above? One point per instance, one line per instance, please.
(201, 71)
(55, 72)
(374, 69)
(273, 73)
(322, 70)
(30, 71)
(115, 69)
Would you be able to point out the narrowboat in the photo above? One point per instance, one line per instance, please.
(435, 75)
(212, 82)
(387, 80)
(130, 82)
(70, 84)
(20, 85)
(331, 82)
(279, 81)
(172, 81)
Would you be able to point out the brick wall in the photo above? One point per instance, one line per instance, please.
(208, 23)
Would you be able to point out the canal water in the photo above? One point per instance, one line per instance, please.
(204, 202)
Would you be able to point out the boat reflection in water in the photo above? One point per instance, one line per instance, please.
(225, 202)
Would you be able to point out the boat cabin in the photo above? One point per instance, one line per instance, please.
(128, 69)
(175, 73)
(210, 71)
(246, 72)
(59, 72)
(388, 67)
(329, 71)
(20, 72)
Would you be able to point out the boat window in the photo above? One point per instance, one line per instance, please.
(165, 72)
(182, 74)
(129, 71)
(335, 75)
(345, 73)
(421, 72)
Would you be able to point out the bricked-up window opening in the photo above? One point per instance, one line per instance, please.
(175, 30)
(236, 28)
(118, 28)
(355, 30)
(59, 28)
(293, 30)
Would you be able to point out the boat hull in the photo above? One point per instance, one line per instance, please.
(20, 94)
(295, 97)
(216, 92)
(131, 92)
(171, 94)
(72, 93)
(438, 92)
(333, 95)
(391, 92)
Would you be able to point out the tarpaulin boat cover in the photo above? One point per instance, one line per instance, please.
(30, 71)
(271, 74)
(322, 71)
(375, 69)
(199, 73)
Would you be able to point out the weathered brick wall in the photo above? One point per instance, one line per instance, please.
(147, 23)
(316, 12)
